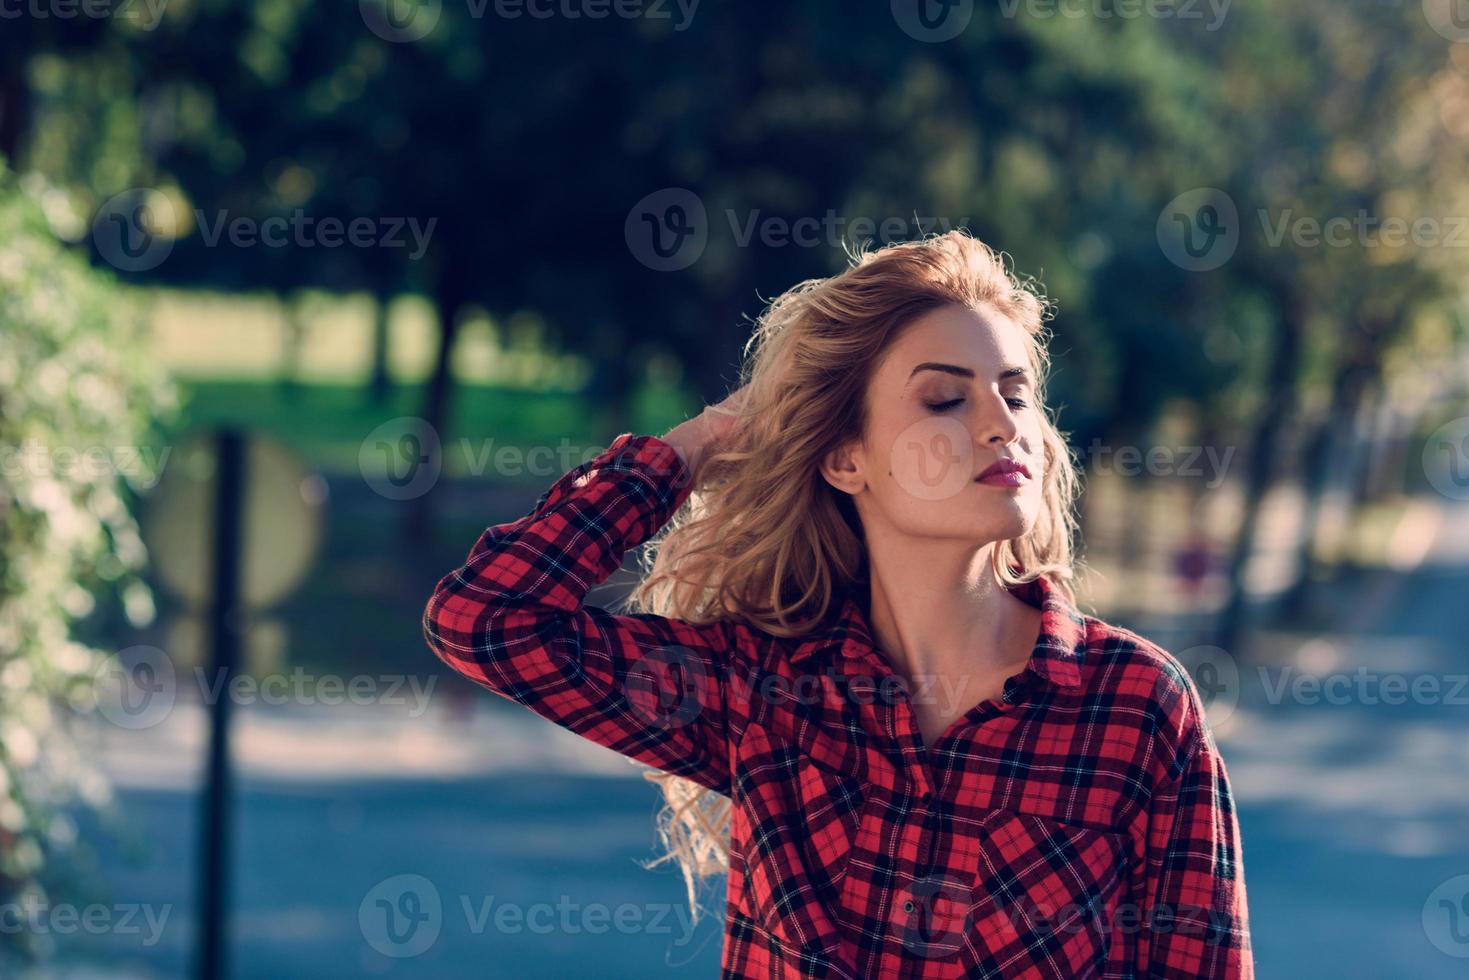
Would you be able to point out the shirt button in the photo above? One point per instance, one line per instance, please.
(908, 906)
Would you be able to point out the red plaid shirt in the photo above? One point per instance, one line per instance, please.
(1081, 825)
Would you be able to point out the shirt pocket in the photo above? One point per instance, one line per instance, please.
(832, 804)
(801, 818)
(1028, 895)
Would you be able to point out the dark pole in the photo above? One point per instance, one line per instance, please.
(224, 640)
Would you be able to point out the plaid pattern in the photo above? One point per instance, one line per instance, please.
(1080, 825)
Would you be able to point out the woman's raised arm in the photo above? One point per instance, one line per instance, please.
(513, 618)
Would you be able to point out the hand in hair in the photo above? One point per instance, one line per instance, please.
(711, 427)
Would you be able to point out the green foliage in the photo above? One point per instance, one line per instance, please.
(78, 390)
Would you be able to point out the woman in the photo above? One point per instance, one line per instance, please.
(858, 670)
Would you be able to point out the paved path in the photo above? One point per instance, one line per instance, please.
(1355, 794)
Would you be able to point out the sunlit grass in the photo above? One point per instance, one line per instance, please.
(326, 424)
(300, 369)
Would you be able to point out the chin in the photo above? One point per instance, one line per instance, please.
(1002, 523)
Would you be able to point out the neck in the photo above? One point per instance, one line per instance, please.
(939, 611)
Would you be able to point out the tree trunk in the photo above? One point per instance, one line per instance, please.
(380, 384)
(1334, 434)
(14, 110)
(451, 293)
(1136, 487)
(1279, 409)
(615, 375)
(293, 331)
(714, 364)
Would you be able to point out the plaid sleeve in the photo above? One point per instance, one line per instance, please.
(512, 619)
(1198, 921)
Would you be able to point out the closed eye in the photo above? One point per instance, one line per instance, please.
(938, 407)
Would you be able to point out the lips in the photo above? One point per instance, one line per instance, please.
(1004, 467)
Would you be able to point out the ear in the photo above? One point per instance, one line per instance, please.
(845, 468)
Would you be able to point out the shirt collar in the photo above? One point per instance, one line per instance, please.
(1059, 650)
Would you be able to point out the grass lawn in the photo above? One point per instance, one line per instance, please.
(232, 354)
(327, 423)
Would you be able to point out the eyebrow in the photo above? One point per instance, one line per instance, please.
(964, 372)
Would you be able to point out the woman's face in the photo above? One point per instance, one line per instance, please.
(954, 394)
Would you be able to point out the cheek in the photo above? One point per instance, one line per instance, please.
(1033, 432)
(929, 460)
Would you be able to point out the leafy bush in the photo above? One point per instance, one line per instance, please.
(78, 392)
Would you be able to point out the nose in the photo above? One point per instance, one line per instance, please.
(997, 426)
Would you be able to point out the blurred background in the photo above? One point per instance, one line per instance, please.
(296, 298)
